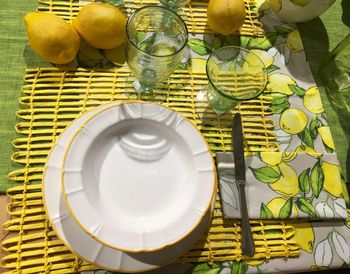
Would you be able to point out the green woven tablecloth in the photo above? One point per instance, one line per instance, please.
(15, 55)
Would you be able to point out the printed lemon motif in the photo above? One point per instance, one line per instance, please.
(279, 82)
(293, 120)
(332, 181)
(252, 63)
(288, 183)
(312, 100)
(275, 5)
(304, 236)
(51, 37)
(326, 136)
(198, 65)
(276, 204)
(288, 156)
(294, 42)
(271, 158)
(308, 150)
(301, 3)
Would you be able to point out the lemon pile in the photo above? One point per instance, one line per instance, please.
(98, 29)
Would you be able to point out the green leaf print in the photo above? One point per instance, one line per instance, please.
(231, 40)
(199, 46)
(263, 43)
(305, 206)
(314, 125)
(283, 30)
(182, 66)
(279, 108)
(140, 35)
(304, 181)
(278, 98)
(239, 268)
(115, 2)
(272, 68)
(245, 41)
(317, 179)
(306, 138)
(286, 209)
(217, 42)
(265, 212)
(299, 91)
(204, 269)
(266, 174)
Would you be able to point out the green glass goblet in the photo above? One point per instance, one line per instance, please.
(234, 75)
(156, 41)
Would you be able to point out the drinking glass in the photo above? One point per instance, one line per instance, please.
(156, 40)
(234, 75)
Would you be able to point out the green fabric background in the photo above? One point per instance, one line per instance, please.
(320, 36)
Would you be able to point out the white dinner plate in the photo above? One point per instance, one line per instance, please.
(138, 177)
(80, 242)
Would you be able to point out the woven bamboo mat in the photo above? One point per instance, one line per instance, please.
(52, 98)
(195, 13)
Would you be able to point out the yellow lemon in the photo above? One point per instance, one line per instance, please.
(253, 64)
(271, 158)
(198, 65)
(90, 52)
(116, 55)
(294, 42)
(101, 25)
(288, 183)
(312, 100)
(332, 181)
(51, 37)
(301, 3)
(325, 133)
(293, 120)
(304, 235)
(275, 5)
(308, 150)
(276, 204)
(226, 16)
(279, 82)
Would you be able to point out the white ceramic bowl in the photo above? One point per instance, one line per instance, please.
(294, 11)
(79, 241)
(138, 177)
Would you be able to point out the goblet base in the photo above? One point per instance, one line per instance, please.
(136, 91)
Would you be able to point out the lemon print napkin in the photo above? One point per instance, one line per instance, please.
(284, 185)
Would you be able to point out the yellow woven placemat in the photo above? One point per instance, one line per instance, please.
(195, 13)
(53, 98)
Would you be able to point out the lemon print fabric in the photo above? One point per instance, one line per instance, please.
(294, 41)
(312, 101)
(293, 120)
(304, 235)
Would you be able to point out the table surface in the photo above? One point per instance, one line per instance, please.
(334, 25)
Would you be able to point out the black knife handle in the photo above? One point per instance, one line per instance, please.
(247, 242)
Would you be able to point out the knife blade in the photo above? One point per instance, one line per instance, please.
(238, 155)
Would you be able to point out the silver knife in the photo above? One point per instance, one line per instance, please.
(238, 154)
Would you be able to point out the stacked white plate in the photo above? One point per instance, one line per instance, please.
(130, 186)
